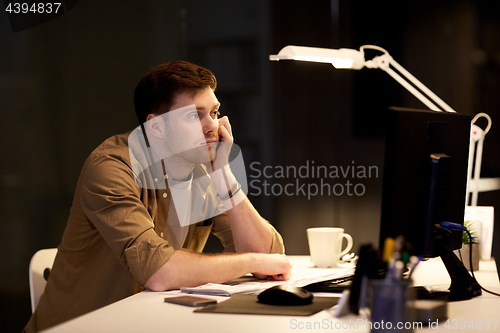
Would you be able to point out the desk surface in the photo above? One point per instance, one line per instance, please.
(147, 312)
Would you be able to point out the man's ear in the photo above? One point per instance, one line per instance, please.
(156, 125)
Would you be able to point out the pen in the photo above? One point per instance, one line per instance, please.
(388, 249)
(413, 263)
(398, 270)
(398, 246)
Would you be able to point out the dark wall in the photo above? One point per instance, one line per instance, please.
(65, 86)
(68, 84)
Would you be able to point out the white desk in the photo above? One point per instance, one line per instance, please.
(147, 312)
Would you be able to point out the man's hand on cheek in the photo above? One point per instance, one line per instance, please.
(225, 143)
(219, 169)
(225, 131)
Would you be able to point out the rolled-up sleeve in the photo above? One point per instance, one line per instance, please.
(277, 246)
(111, 201)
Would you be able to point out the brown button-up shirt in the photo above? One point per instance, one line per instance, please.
(113, 241)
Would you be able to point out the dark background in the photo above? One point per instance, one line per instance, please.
(67, 85)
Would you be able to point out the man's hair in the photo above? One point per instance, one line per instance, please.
(157, 90)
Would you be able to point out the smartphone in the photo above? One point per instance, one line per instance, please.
(190, 300)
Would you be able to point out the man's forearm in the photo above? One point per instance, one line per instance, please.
(188, 269)
(251, 233)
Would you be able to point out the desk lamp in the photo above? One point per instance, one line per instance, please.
(463, 285)
(475, 184)
(353, 59)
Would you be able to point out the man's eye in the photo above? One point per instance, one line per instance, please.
(215, 114)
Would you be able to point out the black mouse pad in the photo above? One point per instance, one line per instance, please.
(248, 304)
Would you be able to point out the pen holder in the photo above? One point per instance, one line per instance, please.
(391, 305)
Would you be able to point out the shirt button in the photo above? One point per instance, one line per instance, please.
(161, 234)
(165, 195)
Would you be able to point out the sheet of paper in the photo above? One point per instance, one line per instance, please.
(257, 286)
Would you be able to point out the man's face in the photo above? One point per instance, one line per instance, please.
(193, 134)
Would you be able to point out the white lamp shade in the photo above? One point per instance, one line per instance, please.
(342, 58)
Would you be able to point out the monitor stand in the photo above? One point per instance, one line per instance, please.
(463, 285)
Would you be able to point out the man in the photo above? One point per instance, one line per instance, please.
(131, 227)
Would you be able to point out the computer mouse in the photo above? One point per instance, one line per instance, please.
(285, 294)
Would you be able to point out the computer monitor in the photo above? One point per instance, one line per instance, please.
(425, 183)
(425, 177)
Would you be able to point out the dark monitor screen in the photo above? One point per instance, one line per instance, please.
(425, 176)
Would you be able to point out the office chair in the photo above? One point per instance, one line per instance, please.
(39, 270)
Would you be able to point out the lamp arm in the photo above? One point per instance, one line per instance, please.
(477, 171)
(476, 153)
(421, 86)
(472, 146)
(385, 61)
(411, 89)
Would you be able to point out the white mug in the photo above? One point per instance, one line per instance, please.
(325, 245)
